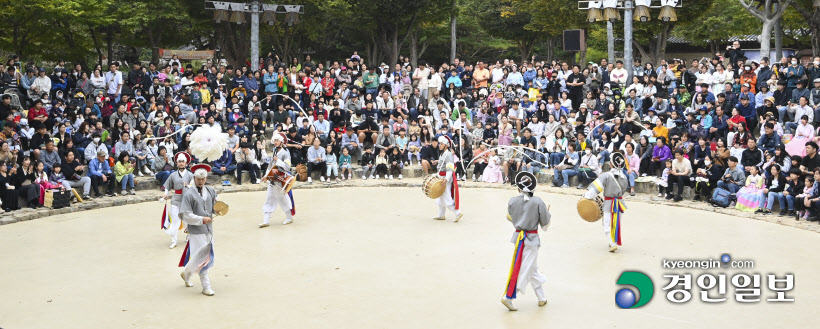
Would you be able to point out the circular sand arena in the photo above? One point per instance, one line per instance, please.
(374, 258)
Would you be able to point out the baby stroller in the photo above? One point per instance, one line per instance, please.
(15, 97)
(77, 97)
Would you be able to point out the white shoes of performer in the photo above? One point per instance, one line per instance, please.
(439, 218)
(508, 303)
(208, 292)
(287, 221)
(458, 217)
(261, 225)
(542, 302)
(186, 279)
(173, 245)
(613, 248)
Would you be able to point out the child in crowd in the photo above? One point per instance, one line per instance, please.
(42, 178)
(396, 162)
(381, 163)
(662, 181)
(332, 163)
(807, 189)
(368, 162)
(492, 174)
(749, 196)
(414, 148)
(345, 164)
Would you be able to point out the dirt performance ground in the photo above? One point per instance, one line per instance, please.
(374, 258)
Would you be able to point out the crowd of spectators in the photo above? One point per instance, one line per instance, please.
(721, 122)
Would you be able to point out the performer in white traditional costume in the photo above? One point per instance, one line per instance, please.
(276, 196)
(446, 169)
(174, 186)
(526, 212)
(613, 185)
(197, 209)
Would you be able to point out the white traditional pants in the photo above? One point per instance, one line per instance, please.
(276, 198)
(446, 201)
(173, 223)
(529, 273)
(201, 259)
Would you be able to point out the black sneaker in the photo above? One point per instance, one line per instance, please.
(767, 212)
(782, 213)
(669, 196)
(759, 211)
(677, 198)
(790, 213)
(696, 198)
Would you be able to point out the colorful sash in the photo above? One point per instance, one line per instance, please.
(615, 226)
(453, 189)
(203, 260)
(164, 217)
(515, 268)
(292, 204)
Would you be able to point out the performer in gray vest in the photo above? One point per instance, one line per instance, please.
(613, 185)
(526, 212)
(174, 186)
(446, 169)
(197, 210)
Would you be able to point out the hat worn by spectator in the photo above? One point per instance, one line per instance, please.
(583, 105)
(201, 170)
(817, 80)
(801, 82)
(181, 117)
(747, 85)
(101, 154)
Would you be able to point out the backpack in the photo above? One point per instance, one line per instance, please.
(301, 173)
(720, 198)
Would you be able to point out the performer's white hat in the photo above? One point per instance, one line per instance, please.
(526, 181)
(182, 156)
(201, 170)
(278, 137)
(443, 139)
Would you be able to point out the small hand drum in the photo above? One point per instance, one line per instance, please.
(591, 210)
(283, 178)
(220, 208)
(434, 186)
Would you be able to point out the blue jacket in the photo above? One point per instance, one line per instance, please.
(747, 111)
(529, 75)
(270, 80)
(767, 143)
(97, 168)
(721, 123)
(225, 160)
(794, 74)
(455, 80)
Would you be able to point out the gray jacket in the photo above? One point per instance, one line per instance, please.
(192, 203)
(527, 215)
